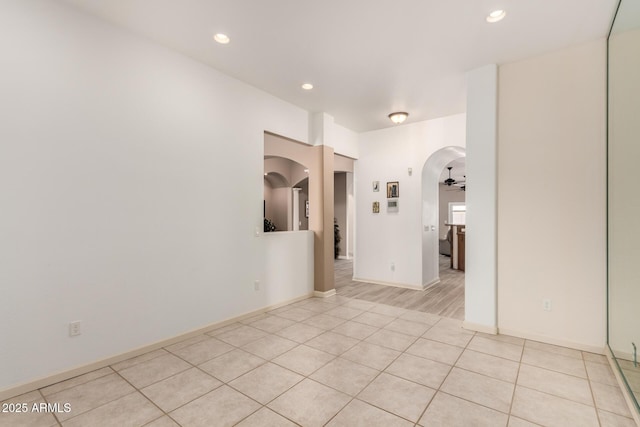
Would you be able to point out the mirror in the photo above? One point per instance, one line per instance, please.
(623, 197)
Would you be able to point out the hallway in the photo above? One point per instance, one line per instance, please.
(445, 298)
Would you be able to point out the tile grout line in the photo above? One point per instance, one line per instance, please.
(380, 372)
(137, 390)
(515, 384)
(340, 356)
(334, 305)
(593, 396)
(181, 372)
(89, 410)
(228, 383)
(55, 415)
(284, 367)
(438, 390)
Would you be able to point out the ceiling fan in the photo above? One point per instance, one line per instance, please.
(452, 182)
(449, 181)
(462, 184)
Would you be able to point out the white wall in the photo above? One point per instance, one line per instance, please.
(480, 292)
(117, 207)
(385, 155)
(345, 141)
(324, 131)
(288, 265)
(552, 135)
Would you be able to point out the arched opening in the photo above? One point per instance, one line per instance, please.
(281, 203)
(318, 162)
(431, 223)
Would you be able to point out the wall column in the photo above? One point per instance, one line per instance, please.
(321, 202)
(296, 209)
(481, 166)
(321, 218)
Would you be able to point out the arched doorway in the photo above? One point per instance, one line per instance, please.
(279, 207)
(431, 172)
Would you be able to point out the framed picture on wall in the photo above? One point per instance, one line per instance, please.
(392, 205)
(376, 207)
(376, 185)
(393, 190)
(306, 209)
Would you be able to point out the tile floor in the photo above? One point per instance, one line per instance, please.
(341, 362)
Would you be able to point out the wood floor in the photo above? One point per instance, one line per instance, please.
(445, 298)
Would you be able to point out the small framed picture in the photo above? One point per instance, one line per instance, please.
(306, 209)
(376, 186)
(393, 190)
(392, 205)
(376, 207)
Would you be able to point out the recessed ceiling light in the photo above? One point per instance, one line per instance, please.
(307, 86)
(496, 15)
(222, 38)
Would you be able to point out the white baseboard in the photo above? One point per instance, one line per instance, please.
(431, 283)
(393, 284)
(56, 377)
(492, 330)
(329, 293)
(623, 355)
(554, 341)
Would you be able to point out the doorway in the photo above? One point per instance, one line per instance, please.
(451, 237)
(442, 189)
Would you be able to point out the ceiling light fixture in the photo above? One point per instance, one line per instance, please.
(307, 86)
(496, 15)
(222, 38)
(398, 117)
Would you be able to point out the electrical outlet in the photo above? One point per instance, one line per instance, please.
(546, 305)
(75, 328)
(256, 285)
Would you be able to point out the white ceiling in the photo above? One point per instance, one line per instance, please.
(458, 170)
(366, 58)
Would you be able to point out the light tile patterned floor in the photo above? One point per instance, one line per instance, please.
(341, 362)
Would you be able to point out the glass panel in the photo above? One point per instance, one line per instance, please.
(622, 193)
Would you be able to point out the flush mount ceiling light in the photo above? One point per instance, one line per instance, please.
(222, 38)
(307, 86)
(398, 117)
(496, 15)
